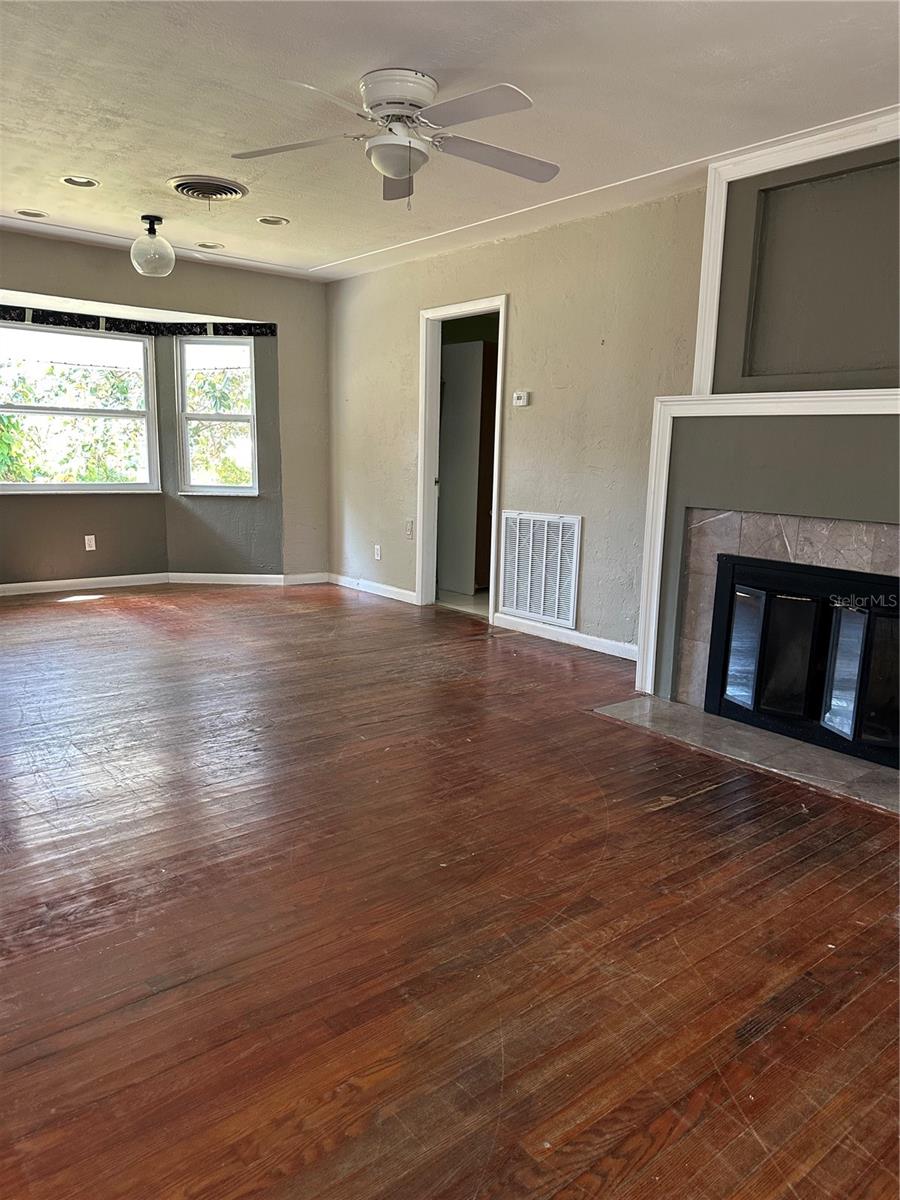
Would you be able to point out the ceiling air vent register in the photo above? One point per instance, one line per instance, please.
(207, 188)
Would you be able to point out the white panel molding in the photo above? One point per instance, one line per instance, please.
(376, 589)
(868, 402)
(871, 131)
(571, 637)
(239, 580)
(82, 585)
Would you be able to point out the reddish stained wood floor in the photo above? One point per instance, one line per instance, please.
(315, 896)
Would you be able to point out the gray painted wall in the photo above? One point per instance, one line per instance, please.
(42, 537)
(224, 534)
(842, 467)
(602, 318)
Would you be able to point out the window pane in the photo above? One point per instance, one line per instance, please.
(49, 448)
(847, 636)
(743, 652)
(217, 377)
(220, 453)
(70, 370)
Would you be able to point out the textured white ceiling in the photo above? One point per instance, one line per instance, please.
(134, 93)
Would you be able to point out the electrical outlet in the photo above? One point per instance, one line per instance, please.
(377, 552)
(409, 527)
(90, 541)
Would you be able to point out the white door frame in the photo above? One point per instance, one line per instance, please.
(429, 434)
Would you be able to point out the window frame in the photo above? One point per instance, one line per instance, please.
(185, 486)
(147, 414)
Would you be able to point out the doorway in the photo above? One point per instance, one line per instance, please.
(459, 430)
(466, 462)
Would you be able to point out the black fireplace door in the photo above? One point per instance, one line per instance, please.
(809, 652)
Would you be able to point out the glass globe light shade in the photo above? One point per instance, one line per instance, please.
(152, 255)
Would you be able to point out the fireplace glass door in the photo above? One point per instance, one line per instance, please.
(844, 663)
(807, 651)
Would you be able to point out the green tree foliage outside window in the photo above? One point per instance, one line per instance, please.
(43, 447)
(219, 452)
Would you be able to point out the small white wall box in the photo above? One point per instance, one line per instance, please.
(521, 399)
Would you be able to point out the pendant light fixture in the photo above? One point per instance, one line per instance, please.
(150, 253)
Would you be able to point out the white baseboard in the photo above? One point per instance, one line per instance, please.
(200, 577)
(571, 637)
(312, 577)
(81, 585)
(92, 583)
(377, 589)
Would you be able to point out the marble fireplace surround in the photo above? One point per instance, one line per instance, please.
(812, 541)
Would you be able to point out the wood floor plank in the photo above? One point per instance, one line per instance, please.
(310, 895)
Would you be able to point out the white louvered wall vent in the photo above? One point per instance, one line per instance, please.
(540, 567)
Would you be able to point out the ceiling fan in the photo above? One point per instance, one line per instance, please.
(410, 126)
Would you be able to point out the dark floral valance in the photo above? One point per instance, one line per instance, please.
(70, 320)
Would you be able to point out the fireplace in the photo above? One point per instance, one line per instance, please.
(806, 651)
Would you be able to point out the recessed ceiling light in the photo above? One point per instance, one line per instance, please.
(273, 220)
(210, 246)
(82, 181)
(34, 213)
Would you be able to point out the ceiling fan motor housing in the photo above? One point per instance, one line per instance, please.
(396, 92)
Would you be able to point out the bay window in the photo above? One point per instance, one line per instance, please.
(77, 411)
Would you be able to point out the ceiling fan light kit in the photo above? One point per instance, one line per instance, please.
(401, 103)
(397, 153)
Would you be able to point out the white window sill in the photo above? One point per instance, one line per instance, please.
(248, 493)
(77, 490)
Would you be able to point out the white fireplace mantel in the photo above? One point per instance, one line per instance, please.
(668, 409)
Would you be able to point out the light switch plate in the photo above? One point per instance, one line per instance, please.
(90, 541)
(521, 399)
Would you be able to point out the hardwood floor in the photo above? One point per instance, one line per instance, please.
(315, 896)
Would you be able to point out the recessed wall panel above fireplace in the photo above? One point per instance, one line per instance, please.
(809, 286)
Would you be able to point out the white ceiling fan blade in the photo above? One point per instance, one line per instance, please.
(337, 137)
(524, 165)
(396, 189)
(309, 87)
(488, 102)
